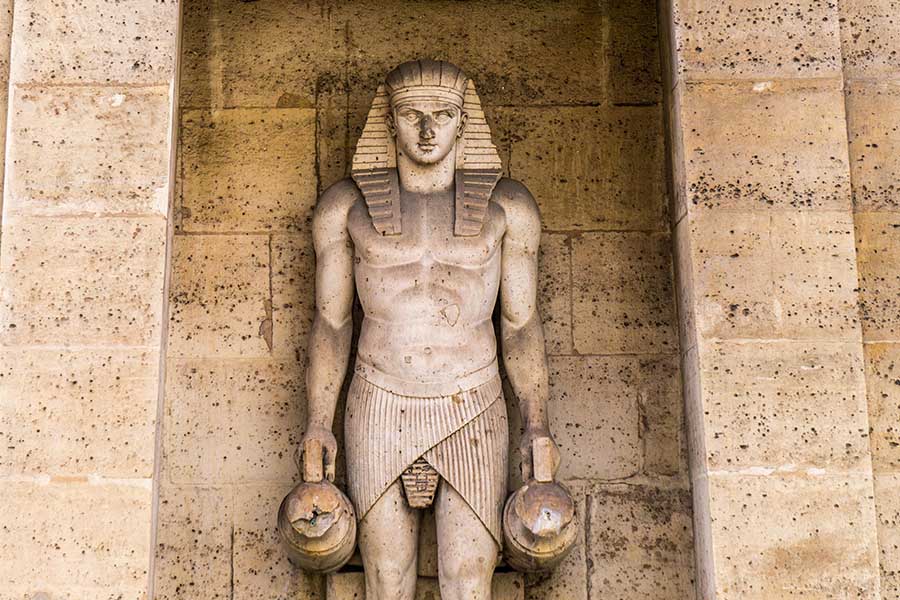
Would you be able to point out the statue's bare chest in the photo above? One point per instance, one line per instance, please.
(427, 238)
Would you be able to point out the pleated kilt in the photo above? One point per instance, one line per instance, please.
(460, 428)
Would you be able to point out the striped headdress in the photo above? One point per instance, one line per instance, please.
(478, 165)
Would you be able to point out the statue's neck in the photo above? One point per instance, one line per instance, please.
(426, 179)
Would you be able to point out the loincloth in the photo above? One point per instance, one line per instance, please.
(461, 429)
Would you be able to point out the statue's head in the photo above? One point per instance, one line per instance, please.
(425, 110)
(426, 114)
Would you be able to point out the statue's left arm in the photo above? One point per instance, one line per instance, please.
(521, 330)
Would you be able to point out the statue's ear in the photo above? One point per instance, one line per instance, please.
(463, 119)
(389, 123)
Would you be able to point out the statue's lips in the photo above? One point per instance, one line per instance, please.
(426, 147)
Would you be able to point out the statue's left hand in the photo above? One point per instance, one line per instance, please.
(526, 451)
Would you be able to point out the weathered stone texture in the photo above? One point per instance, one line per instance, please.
(351, 586)
(640, 525)
(883, 386)
(874, 133)
(94, 41)
(89, 150)
(78, 412)
(555, 292)
(757, 39)
(219, 295)
(870, 32)
(248, 170)
(793, 535)
(761, 144)
(878, 245)
(74, 538)
(623, 299)
(94, 282)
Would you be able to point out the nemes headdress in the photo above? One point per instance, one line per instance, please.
(478, 165)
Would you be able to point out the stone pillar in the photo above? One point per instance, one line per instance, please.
(771, 341)
(85, 212)
(870, 32)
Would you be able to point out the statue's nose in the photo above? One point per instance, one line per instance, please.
(426, 128)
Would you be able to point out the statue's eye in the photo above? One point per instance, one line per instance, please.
(410, 117)
(443, 117)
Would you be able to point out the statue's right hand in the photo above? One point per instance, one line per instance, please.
(318, 453)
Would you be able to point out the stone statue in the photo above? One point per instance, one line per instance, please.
(427, 232)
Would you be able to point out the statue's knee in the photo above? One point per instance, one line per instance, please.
(470, 575)
(393, 578)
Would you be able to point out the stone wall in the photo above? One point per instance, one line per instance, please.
(82, 266)
(273, 97)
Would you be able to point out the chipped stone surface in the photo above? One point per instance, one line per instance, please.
(756, 145)
(193, 547)
(874, 134)
(794, 535)
(784, 406)
(352, 586)
(68, 282)
(887, 493)
(75, 413)
(582, 165)
(261, 568)
(870, 32)
(878, 245)
(883, 387)
(74, 538)
(555, 292)
(218, 296)
(775, 274)
(234, 421)
(633, 525)
(248, 169)
(623, 298)
(94, 41)
(89, 150)
(757, 39)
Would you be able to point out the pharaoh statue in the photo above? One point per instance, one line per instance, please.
(428, 234)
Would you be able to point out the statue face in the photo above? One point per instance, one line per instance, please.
(426, 130)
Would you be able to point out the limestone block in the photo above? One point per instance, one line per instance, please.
(878, 248)
(262, 54)
(872, 110)
(775, 144)
(887, 504)
(757, 39)
(633, 52)
(248, 169)
(78, 412)
(333, 149)
(871, 35)
(610, 413)
(793, 536)
(773, 274)
(569, 580)
(623, 298)
(233, 421)
(555, 292)
(89, 150)
(219, 296)
(685, 286)
(784, 405)
(351, 586)
(193, 545)
(67, 281)
(883, 387)
(592, 168)
(94, 41)
(74, 538)
(641, 543)
(527, 53)
(261, 567)
(293, 293)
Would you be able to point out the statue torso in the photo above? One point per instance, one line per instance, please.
(427, 295)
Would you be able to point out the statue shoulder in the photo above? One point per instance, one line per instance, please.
(334, 205)
(523, 217)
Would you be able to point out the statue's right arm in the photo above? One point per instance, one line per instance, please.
(332, 328)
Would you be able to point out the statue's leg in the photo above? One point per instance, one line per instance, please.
(388, 536)
(467, 553)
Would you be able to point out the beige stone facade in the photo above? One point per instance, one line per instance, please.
(720, 289)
